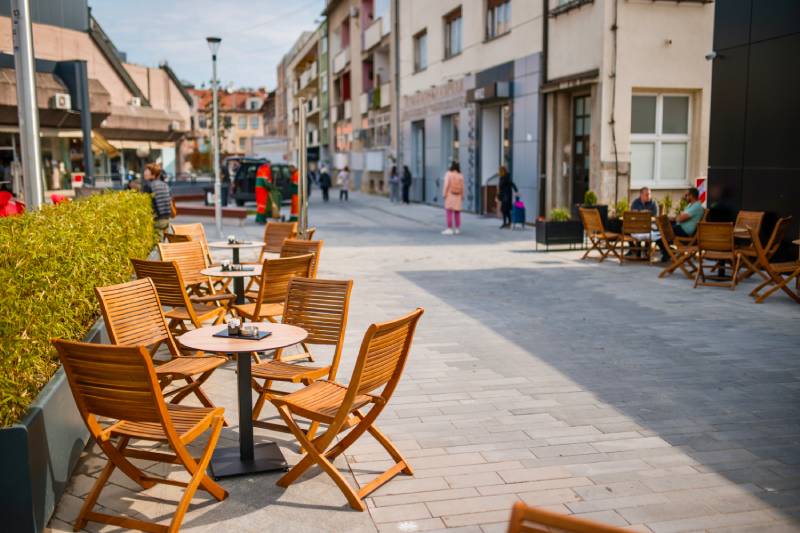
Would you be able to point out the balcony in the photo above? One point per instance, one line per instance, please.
(341, 60)
(308, 76)
(347, 110)
(363, 102)
(312, 137)
(386, 95)
(372, 35)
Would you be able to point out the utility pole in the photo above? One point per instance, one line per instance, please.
(213, 45)
(302, 171)
(25, 67)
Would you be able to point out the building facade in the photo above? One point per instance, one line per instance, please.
(363, 132)
(129, 114)
(469, 84)
(627, 93)
(241, 118)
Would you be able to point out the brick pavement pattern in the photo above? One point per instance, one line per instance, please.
(596, 390)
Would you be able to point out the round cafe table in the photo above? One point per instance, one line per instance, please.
(253, 270)
(235, 247)
(247, 459)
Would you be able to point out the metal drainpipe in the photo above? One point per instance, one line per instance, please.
(612, 122)
(398, 126)
(543, 113)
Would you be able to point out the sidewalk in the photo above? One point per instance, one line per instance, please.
(598, 390)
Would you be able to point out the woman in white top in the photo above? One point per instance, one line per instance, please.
(344, 183)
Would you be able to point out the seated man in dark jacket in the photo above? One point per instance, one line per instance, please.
(645, 202)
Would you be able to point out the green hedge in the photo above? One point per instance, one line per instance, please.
(50, 263)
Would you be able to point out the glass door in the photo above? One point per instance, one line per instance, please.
(581, 126)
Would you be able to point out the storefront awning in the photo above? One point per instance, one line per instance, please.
(101, 145)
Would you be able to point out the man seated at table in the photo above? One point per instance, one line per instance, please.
(645, 202)
(685, 224)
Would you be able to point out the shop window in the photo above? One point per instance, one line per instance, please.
(660, 140)
(421, 51)
(452, 33)
(451, 140)
(498, 18)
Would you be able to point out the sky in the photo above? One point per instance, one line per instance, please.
(255, 35)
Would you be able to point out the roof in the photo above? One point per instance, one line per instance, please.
(228, 101)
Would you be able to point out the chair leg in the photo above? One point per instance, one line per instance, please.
(735, 274)
(699, 274)
(262, 398)
(199, 476)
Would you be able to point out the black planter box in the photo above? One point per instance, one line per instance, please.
(556, 233)
(602, 209)
(614, 225)
(39, 453)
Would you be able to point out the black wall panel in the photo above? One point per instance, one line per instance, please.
(726, 135)
(731, 23)
(774, 18)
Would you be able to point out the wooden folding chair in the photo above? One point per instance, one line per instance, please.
(267, 302)
(605, 242)
(309, 234)
(319, 307)
(119, 383)
(680, 250)
(294, 247)
(174, 237)
(191, 261)
(171, 289)
(750, 256)
(525, 519)
(778, 275)
(715, 243)
(133, 317)
(636, 226)
(748, 220)
(380, 364)
(274, 235)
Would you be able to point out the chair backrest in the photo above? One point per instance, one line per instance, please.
(750, 219)
(665, 228)
(196, 231)
(777, 235)
(190, 258)
(133, 316)
(525, 519)
(167, 279)
(715, 236)
(383, 355)
(293, 247)
(592, 223)
(109, 381)
(276, 232)
(309, 234)
(177, 237)
(636, 222)
(276, 275)
(320, 307)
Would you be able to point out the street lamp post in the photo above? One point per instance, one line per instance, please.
(26, 103)
(213, 45)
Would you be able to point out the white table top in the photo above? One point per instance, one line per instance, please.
(226, 244)
(217, 272)
(202, 339)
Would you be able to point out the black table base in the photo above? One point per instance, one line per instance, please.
(267, 457)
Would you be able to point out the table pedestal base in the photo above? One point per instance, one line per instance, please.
(267, 458)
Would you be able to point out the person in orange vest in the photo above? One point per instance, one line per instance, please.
(263, 186)
(295, 212)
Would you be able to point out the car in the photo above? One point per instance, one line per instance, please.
(243, 185)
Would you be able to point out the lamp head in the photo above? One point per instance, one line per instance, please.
(213, 44)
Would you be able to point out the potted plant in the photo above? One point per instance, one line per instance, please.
(558, 229)
(590, 200)
(666, 205)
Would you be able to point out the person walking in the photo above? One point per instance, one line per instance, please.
(505, 194)
(406, 183)
(324, 182)
(453, 194)
(162, 201)
(394, 186)
(343, 179)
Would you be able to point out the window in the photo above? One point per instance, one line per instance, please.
(254, 122)
(323, 45)
(452, 33)
(202, 122)
(660, 139)
(450, 140)
(242, 142)
(498, 18)
(227, 121)
(421, 51)
(242, 122)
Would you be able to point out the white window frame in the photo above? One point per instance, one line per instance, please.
(658, 139)
(242, 122)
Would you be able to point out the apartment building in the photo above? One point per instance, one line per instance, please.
(362, 69)
(128, 115)
(627, 91)
(241, 117)
(469, 84)
(307, 74)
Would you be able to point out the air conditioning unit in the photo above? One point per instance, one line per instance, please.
(174, 125)
(136, 101)
(61, 101)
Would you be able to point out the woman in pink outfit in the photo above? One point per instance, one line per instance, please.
(453, 199)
